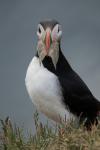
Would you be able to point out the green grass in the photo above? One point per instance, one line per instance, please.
(63, 137)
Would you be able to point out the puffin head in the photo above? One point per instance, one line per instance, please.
(49, 35)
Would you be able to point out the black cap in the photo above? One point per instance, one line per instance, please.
(49, 23)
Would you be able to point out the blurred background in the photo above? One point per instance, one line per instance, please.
(80, 22)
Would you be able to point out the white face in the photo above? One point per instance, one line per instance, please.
(48, 43)
(56, 33)
(40, 31)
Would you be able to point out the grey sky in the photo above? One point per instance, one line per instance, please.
(80, 22)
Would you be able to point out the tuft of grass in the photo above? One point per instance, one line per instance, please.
(65, 137)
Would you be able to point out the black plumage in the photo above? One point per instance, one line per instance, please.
(49, 23)
(76, 95)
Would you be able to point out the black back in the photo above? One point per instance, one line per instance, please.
(76, 95)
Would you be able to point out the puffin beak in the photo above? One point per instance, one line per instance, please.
(48, 40)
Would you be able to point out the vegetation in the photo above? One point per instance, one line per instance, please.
(63, 137)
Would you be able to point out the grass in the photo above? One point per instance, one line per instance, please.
(63, 137)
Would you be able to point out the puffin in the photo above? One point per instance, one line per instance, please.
(53, 86)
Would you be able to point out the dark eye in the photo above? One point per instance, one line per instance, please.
(39, 30)
(58, 29)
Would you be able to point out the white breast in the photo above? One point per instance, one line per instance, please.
(45, 91)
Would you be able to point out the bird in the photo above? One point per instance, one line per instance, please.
(54, 87)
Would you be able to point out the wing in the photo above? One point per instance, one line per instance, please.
(77, 95)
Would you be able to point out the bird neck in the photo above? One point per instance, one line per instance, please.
(62, 64)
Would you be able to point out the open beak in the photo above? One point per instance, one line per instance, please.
(47, 40)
